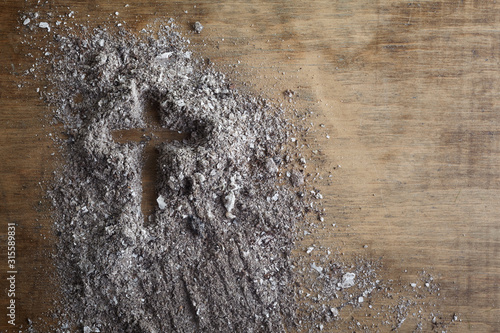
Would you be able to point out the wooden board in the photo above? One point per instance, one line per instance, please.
(408, 93)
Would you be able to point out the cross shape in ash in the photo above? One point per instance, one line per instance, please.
(150, 137)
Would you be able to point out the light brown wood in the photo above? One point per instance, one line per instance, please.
(408, 93)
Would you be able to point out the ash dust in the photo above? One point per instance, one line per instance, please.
(233, 198)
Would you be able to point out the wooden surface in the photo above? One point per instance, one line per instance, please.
(408, 92)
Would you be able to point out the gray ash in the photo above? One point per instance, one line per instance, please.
(215, 255)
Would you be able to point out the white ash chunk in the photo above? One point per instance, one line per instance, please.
(161, 202)
(347, 280)
(296, 178)
(317, 268)
(271, 166)
(165, 55)
(199, 177)
(230, 200)
(44, 25)
(197, 27)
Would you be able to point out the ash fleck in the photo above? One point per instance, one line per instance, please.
(296, 178)
(347, 280)
(197, 27)
(43, 25)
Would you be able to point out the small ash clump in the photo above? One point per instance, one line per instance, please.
(197, 27)
(215, 255)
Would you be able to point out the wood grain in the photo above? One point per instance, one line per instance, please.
(408, 93)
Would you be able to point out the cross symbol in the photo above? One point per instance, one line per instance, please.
(150, 137)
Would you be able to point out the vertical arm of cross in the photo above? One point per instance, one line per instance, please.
(149, 136)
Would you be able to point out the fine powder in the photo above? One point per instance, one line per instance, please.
(215, 254)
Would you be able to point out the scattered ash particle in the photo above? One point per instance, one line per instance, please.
(197, 27)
